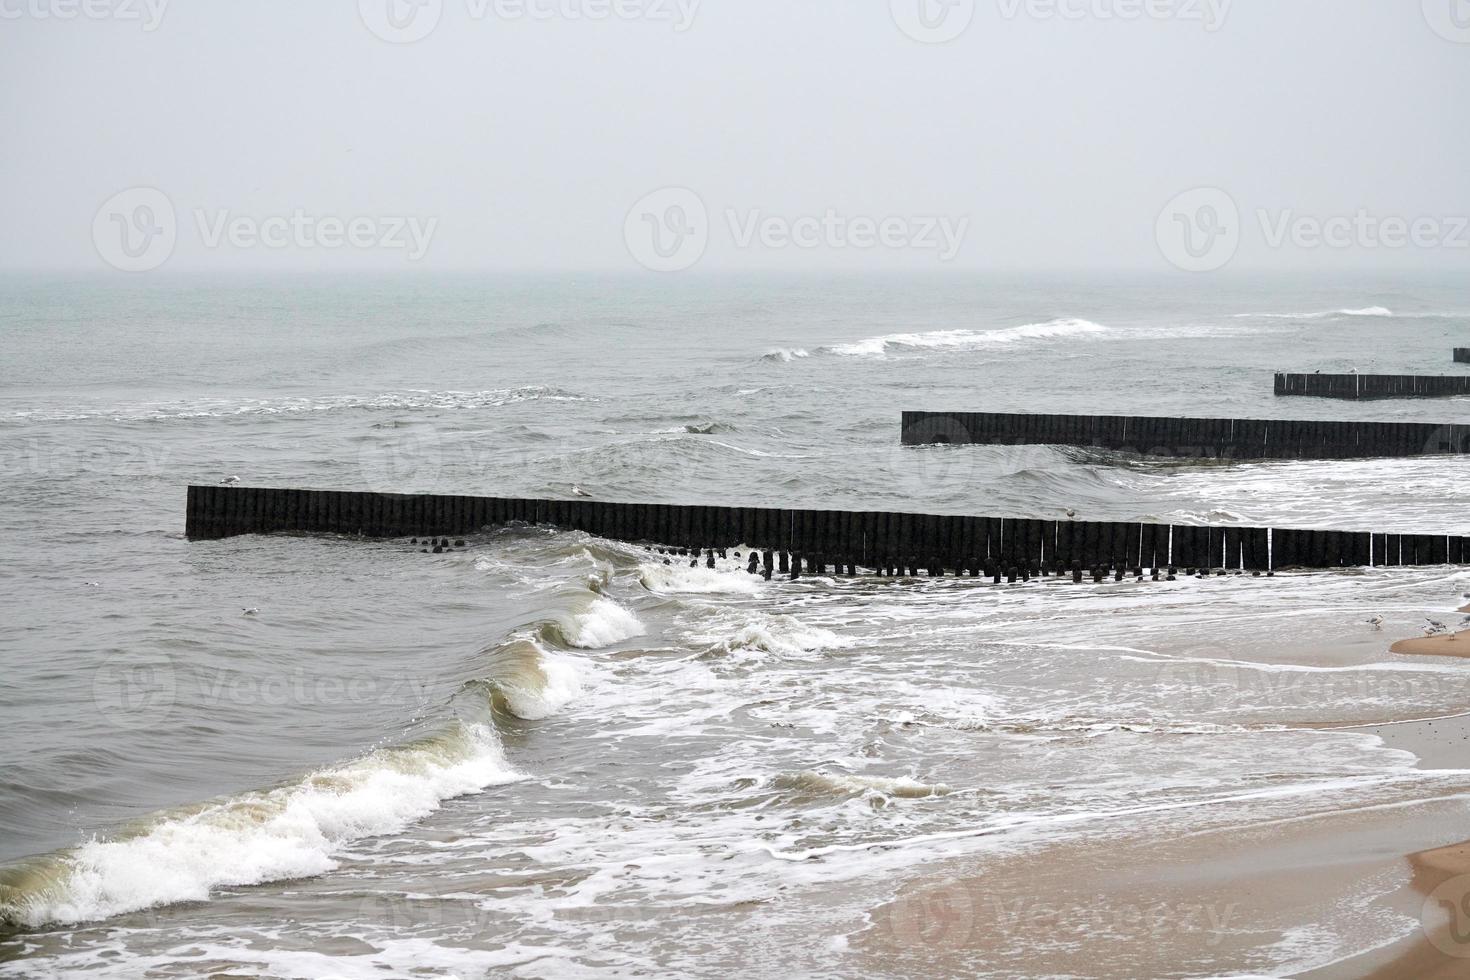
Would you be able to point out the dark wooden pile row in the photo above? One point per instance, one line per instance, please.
(881, 541)
(1193, 438)
(1359, 386)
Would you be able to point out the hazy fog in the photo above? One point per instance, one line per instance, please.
(519, 134)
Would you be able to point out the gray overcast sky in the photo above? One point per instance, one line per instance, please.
(1058, 139)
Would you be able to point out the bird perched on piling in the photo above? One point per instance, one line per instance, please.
(229, 480)
(578, 491)
(1376, 622)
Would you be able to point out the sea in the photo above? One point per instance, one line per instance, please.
(543, 754)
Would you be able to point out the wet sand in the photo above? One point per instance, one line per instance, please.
(1219, 903)
(1446, 645)
(1438, 890)
(1213, 903)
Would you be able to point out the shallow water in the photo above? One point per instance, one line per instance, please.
(551, 755)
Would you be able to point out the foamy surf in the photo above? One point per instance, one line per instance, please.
(290, 832)
(601, 624)
(765, 633)
(1376, 311)
(827, 785)
(673, 579)
(208, 408)
(959, 340)
(530, 682)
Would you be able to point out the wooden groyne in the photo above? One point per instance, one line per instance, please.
(1193, 438)
(886, 543)
(1359, 386)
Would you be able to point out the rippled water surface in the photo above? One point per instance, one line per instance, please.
(544, 754)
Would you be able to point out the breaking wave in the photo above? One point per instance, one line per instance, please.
(602, 623)
(965, 339)
(671, 578)
(1378, 311)
(530, 682)
(786, 354)
(289, 832)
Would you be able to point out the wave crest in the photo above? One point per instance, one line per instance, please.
(950, 340)
(289, 832)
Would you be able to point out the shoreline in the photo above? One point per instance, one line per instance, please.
(1444, 645)
(1434, 950)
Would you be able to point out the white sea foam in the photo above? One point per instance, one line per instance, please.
(602, 624)
(202, 408)
(942, 340)
(673, 579)
(535, 683)
(748, 631)
(1378, 311)
(289, 832)
(786, 354)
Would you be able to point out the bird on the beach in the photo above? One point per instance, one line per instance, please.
(1435, 623)
(1376, 622)
(229, 480)
(249, 610)
(578, 491)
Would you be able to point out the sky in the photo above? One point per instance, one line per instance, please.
(676, 135)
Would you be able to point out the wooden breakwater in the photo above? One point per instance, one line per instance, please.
(882, 541)
(1359, 386)
(1194, 438)
(1462, 355)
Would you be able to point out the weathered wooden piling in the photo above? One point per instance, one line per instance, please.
(1462, 355)
(891, 543)
(1194, 438)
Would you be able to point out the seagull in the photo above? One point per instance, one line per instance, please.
(579, 491)
(249, 611)
(1071, 513)
(1436, 623)
(229, 480)
(1376, 622)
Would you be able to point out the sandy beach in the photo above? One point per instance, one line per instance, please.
(1444, 645)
